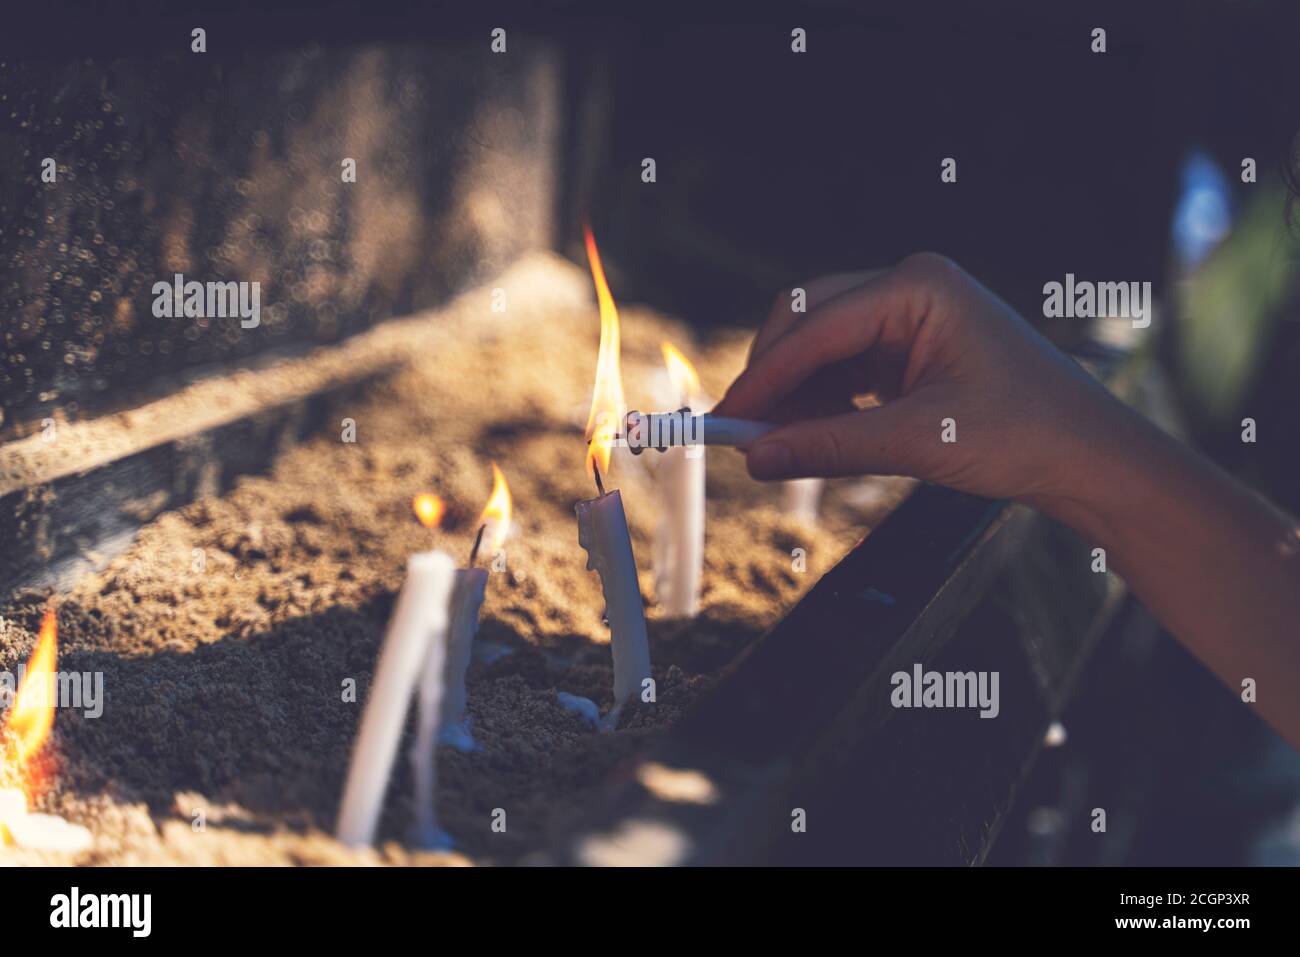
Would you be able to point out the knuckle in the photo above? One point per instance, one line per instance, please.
(934, 266)
(828, 452)
(781, 304)
(912, 443)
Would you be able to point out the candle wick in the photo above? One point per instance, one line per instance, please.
(600, 486)
(478, 540)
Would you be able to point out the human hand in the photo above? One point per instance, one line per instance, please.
(929, 344)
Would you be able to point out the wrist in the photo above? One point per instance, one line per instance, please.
(1111, 466)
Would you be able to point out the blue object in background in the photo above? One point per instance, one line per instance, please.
(1203, 216)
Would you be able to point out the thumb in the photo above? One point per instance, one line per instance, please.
(862, 442)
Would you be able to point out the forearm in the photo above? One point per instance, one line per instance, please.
(1218, 566)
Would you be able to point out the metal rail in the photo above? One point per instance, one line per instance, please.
(803, 719)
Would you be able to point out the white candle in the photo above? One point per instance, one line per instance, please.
(680, 478)
(417, 628)
(679, 537)
(432, 697)
(466, 600)
(28, 722)
(602, 524)
(39, 832)
(803, 497)
(662, 430)
(602, 531)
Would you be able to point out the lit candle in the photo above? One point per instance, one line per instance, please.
(413, 645)
(602, 522)
(663, 430)
(432, 693)
(454, 726)
(443, 713)
(467, 599)
(679, 534)
(803, 497)
(27, 727)
(602, 531)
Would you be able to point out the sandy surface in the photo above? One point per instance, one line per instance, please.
(228, 630)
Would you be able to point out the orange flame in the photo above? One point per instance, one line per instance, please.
(429, 509)
(685, 379)
(32, 715)
(496, 514)
(607, 404)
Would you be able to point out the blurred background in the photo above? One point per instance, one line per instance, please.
(770, 168)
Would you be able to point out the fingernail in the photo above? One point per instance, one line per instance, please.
(770, 460)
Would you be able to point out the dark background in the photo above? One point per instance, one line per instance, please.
(772, 168)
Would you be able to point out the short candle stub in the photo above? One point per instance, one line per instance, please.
(455, 727)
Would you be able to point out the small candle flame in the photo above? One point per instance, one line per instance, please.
(496, 514)
(31, 717)
(607, 404)
(429, 509)
(685, 380)
(27, 727)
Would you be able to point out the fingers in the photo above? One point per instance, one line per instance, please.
(816, 292)
(861, 442)
(843, 327)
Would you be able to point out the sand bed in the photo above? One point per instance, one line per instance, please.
(227, 631)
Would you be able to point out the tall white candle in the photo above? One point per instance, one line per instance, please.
(662, 430)
(419, 622)
(602, 524)
(680, 479)
(603, 532)
(679, 538)
(803, 498)
(435, 689)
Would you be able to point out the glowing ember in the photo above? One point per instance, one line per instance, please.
(429, 509)
(496, 514)
(607, 403)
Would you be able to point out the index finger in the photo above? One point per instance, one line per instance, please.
(816, 292)
(845, 326)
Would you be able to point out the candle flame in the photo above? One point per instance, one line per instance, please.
(429, 509)
(607, 403)
(685, 379)
(31, 716)
(496, 514)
